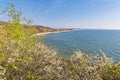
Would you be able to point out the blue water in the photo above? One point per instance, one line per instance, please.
(90, 42)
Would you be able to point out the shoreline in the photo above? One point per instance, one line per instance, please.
(45, 33)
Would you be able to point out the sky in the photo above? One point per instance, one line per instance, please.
(87, 14)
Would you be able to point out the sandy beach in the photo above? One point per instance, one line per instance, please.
(45, 33)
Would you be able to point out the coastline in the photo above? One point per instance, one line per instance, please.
(45, 33)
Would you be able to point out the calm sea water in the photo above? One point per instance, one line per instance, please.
(87, 41)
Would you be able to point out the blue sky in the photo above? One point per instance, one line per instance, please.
(91, 14)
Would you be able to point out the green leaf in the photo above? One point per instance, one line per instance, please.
(15, 67)
(1, 67)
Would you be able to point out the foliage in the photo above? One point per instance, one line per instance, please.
(111, 72)
(15, 16)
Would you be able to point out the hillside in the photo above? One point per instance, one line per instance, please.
(39, 28)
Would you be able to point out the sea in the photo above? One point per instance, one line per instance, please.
(89, 41)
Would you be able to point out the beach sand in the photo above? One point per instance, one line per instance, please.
(45, 33)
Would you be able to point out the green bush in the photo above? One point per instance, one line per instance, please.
(111, 72)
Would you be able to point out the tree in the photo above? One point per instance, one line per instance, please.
(15, 30)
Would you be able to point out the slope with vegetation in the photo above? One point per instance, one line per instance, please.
(39, 28)
(23, 58)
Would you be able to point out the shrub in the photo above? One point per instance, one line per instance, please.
(111, 72)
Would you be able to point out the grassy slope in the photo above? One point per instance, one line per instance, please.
(39, 28)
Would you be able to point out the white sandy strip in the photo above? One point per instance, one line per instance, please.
(45, 33)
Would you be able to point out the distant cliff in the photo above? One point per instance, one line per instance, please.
(40, 29)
